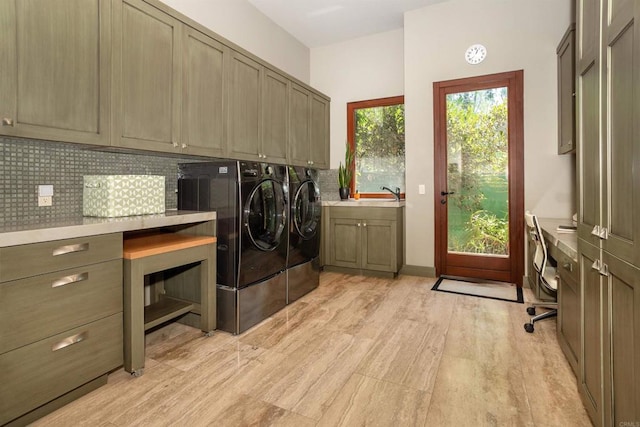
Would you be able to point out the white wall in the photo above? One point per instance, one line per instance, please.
(365, 68)
(518, 34)
(244, 25)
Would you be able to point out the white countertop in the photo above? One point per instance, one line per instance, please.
(377, 203)
(565, 242)
(89, 226)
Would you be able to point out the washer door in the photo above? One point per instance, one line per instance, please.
(306, 210)
(265, 215)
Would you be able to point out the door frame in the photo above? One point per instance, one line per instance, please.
(514, 80)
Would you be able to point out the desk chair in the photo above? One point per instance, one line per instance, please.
(547, 277)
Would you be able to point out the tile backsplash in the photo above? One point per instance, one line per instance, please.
(329, 185)
(25, 164)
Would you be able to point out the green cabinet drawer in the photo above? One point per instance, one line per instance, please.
(17, 262)
(40, 372)
(42, 306)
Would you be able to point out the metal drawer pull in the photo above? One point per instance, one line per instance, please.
(596, 265)
(568, 266)
(74, 278)
(73, 339)
(62, 250)
(7, 122)
(596, 231)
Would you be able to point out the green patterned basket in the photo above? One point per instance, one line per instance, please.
(123, 195)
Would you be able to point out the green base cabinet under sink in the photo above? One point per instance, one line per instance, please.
(363, 240)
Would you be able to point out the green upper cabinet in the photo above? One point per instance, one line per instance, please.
(300, 126)
(275, 105)
(621, 150)
(169, 84)
(137, 74)
(244, 120)
(309, 129)
(55, 59)
(203, 98)
(566, 93)
(319, 147)
(147, 77)
(258, 105)
(588, 121)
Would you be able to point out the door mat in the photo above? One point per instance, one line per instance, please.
(493, 290)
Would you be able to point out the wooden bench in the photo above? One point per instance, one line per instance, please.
(151, 253)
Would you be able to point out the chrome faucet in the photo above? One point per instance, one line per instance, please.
(395, 193)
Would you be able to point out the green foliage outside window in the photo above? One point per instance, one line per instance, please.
(477, 157)
(379, 146)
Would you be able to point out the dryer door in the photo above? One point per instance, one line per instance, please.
(306, 210)
(265, 215)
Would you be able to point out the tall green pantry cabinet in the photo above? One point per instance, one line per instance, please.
(608, 105)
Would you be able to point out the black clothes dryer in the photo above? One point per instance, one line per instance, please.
(251, 204)
(303, 272)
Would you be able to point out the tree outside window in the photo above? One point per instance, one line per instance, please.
(376, 135)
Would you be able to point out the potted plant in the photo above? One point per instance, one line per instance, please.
(345, 173)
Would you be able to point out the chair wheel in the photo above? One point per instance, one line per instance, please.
(528, 327)
(531, 311)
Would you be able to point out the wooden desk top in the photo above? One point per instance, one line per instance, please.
(154, 244)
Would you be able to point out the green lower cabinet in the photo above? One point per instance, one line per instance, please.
(364, 239)
(610, 359)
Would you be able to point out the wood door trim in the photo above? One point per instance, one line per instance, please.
(514, 80)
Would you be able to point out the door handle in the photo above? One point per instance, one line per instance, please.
(447, 193)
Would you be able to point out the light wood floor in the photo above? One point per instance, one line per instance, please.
(356, 351)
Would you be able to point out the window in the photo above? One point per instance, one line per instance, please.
(375, 131)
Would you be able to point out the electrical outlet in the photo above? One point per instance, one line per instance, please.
(45, 200)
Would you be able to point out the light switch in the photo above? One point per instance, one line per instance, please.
(45, 190)
(421, 189)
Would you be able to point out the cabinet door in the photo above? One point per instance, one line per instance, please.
(203, 99)
(569, 312)
(245, 91)
(319, 147)
(588, 23)
(55, 59)
(621, 201)
(147, 77)
(379, 250)
(588, 106)
(623, 348)
(345, 242)
(275, 108)
(300, 126)
(566, 93)
(590, 378)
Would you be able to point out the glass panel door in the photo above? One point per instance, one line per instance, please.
(479, 178)
(477, 172)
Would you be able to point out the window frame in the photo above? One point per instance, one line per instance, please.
(351, 115)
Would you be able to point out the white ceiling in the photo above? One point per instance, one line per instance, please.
(322, 22)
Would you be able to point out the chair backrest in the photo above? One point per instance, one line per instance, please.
(540, 256)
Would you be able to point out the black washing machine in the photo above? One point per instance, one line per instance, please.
(251, 204)
(303, 265)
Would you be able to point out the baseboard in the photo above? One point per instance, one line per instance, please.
(418, 270)
(358, 271)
